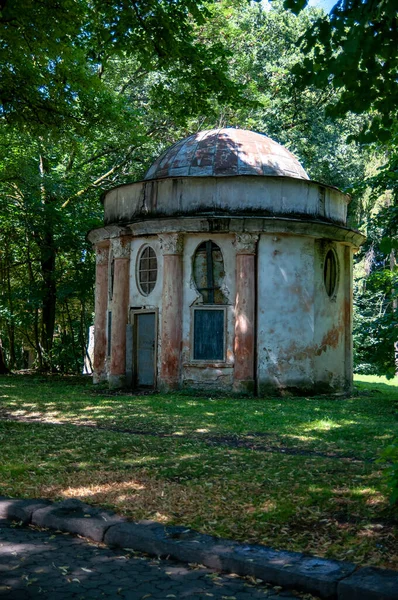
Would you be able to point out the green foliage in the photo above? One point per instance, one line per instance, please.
(110, 87)
(355, 49)
(376, 287)
(375, 323)
(86, 92)
(265, 56)
(390, 455)
(53, 56)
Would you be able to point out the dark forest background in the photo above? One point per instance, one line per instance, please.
(92, 92)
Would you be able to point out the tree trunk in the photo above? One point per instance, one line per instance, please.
(47, 262)
(10, 324)
(75, 353)
(394, 310)
(37, 345)
(3, 367)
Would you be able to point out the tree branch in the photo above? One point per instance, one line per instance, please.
(95, 157)
(102, 178)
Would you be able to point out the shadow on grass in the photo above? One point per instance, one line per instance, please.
(357, 427)
(286, 501)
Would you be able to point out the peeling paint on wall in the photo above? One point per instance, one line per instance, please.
(221, 194)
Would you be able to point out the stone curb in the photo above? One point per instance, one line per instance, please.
(329, 579)
(75, 517)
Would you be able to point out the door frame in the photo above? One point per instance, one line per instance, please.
(133, 322)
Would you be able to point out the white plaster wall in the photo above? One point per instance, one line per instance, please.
(285, 312)
(335, 209)
(212, 373)
(231, 195)
(193, 372)
(329, 339)
(300, 330)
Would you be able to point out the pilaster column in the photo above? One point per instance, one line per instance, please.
(245, 304)
(101, 304)
(171, 327)
(348, 349)
(120, 303)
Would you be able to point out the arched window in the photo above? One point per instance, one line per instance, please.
(208, 272)
(209, 321)
(147, 270)
(330, 273)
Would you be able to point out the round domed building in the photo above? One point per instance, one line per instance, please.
(225, 268)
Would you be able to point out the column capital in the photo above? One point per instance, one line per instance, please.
(245, 243)
(171, 243)
(102, 253)
(121, 247)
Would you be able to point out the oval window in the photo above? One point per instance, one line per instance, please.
(330, 273)
(147, 270)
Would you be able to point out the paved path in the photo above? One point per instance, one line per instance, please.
(56, 566)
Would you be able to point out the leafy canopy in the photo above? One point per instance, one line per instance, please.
(355, 48)
(53, 55)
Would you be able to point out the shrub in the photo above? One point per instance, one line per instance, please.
(390, 454)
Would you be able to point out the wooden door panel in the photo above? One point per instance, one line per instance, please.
(145, 349)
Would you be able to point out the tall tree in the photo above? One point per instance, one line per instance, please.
(265, 59)
(52, 174)
(53, 55)
(86, 88)
(354, 48)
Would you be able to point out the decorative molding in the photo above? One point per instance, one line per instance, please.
(103, 234)
(121, 247)
(245, 243)
(316, 229)
(171, 243)
(102, 253)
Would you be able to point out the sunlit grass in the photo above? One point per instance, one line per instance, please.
(323, 425)
(285, 486)
(375, 379)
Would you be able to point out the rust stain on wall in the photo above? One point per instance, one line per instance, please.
(170, 366)
(331, 338)
(297, 353)
(347, 314)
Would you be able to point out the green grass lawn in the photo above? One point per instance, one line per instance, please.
(293, 473)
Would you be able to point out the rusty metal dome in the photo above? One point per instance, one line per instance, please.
(226, 152)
